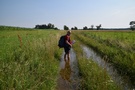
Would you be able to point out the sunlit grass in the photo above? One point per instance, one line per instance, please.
(29, 59)
(93, 77)
(116, 47)
(34, 64)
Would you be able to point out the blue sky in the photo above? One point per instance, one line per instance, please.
(79, 13)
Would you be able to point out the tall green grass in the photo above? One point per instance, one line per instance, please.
(29, 59)
(115, 47)
(93, 77)
(11, 28)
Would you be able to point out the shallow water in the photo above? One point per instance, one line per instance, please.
(69, 73)
(121, 81)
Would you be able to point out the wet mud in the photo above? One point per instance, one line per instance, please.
(121, 81)
(69, 73)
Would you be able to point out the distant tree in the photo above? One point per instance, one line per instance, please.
(66, 28)
(92, 26)
(44, 26)
(37, 26)
(74, 28)
(50, 26)
(56, 28)
(85, 28)
(98, 27)
(132, 25)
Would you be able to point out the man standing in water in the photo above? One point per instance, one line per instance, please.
(67, 46)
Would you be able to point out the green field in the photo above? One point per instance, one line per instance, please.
(29, 58)
(116, 47)
(93, 77)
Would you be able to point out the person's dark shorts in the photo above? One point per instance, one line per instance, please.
(67, 49)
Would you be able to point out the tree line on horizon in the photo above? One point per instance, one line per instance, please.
(52, 26)
(44, 26)
(65, 27)
(84, 28)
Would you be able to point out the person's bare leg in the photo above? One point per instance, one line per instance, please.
(65, 56)
(68, 56)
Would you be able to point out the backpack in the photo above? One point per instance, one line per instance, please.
(61, 42)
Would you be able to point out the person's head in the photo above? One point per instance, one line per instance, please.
(68, 32)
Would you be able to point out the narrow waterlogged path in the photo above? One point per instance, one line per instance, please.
(121, 81)
(69, 73)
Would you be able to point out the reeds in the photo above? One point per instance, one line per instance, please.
(20, 40)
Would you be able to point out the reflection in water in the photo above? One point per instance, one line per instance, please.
(66, 72)
(90, 54)
(69, 73)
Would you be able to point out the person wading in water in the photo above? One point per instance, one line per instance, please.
(67, 46)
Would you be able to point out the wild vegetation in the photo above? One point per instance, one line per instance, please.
(29, 59)
(93, 77)
(116, 47)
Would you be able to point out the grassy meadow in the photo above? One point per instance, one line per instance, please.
(92, 76)
(116, 47)
(30, 58)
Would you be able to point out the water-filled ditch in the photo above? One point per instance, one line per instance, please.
(69, 78)
(121, 81)
(69, 73)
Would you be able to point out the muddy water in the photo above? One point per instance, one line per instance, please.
(121, 81)
(69, 73)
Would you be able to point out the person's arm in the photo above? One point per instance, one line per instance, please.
(68, 43)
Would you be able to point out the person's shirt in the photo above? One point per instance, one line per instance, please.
(67, 37)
